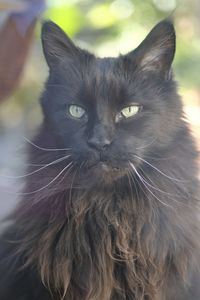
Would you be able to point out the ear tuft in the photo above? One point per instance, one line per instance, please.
(56, 44)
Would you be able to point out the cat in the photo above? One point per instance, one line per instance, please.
(110, 208)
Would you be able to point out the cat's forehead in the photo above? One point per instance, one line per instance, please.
(104, 73)
(103, 80)
(104, 64)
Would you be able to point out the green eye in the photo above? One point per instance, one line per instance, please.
(76, 111)
(130, 111)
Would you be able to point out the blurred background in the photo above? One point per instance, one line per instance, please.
(105, 27)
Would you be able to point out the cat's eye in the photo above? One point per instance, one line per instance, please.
(76, 111)
(128, 112)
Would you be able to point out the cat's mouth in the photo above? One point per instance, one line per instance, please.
(103, 164)
(107, 171)
(106, 167)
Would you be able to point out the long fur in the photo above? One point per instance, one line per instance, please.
(117, 243)
(81, 239)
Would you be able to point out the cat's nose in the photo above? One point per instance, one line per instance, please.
(99, 143)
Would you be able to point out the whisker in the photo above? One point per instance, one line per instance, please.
(145, 193)
(130, 185)
(156, 188)
(35, 165)
(147, 144)
(78, 170)
(164, 192)
(71, 186)
(42, 188)
(56, 85)
(45, 149)
(141, 187)
(141, 179)
(67, 172)
(160, 158)
(40, 169)
(169, 177)
(136, 189)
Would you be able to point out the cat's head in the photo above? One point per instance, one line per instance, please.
(111, 111)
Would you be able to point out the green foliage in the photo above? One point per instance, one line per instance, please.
(68, 17)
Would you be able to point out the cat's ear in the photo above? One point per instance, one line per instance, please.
(155, 54)
(56, 44)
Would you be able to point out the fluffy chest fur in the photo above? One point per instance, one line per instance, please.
(120, 243)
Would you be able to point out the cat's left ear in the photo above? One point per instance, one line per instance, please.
(56, 44)
(155, 54)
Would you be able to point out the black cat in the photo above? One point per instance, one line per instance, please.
(110, 209)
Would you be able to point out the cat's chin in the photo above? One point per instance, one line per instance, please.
(103, 173)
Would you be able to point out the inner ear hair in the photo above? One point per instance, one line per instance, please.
(156, 52)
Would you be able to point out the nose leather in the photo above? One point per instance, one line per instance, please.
(100, 139)
(99, 144)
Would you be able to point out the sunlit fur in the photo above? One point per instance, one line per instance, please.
(124, 229)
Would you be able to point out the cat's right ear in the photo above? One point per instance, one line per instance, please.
(56, 44)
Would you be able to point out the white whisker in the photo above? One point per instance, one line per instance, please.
(35, 165)
(42, 188)
(145, 193)
(136, 189)
(71, 186)
(64, 175)
(45, 149)
(167, 176)
(55, 85)
(40, 169)
(141, 179)
(156, 188)
(146, 145)
(131, 190)
(164, 192)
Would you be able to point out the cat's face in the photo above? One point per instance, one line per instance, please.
(111, 111)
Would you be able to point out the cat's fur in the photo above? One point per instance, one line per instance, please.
(121, 221)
